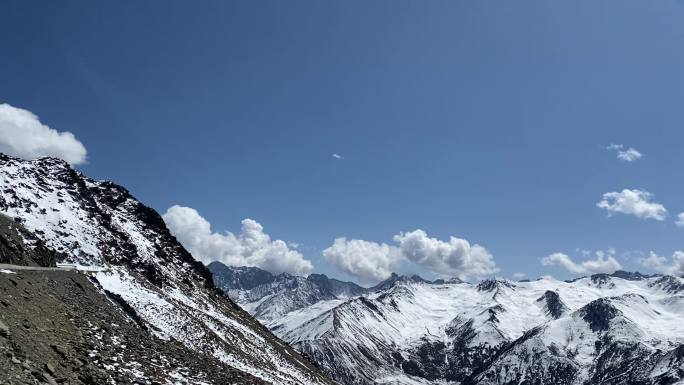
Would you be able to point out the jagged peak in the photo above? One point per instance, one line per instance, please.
(492, 284)
(394, 278)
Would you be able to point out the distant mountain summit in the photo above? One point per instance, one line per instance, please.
(238, 278)
(273, 296)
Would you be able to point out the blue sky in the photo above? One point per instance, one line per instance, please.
(487, 121)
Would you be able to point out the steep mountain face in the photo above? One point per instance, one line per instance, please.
(238, 278)
(135, 258)
(605, 329)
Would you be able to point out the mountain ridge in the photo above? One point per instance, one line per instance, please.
(413, 331)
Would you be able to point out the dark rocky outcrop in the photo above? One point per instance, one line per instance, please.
(229, 278)
(15, 251)
(599, 313)
(553, 304)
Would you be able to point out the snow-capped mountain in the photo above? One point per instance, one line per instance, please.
(101, 225)
(623, 328)
(269, 297)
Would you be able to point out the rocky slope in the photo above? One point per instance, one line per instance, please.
(623, 328)
(59, 327)
(135, 258)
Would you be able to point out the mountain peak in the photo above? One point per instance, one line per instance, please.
(394, 278)
(598, 314)
(243, 277)
(491, 284)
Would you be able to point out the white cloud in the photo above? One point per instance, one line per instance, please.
(661, 265)
(24, 136)
(634, 202)
(627, 155)
(373, 261)
(604, 262)
(680, 220)
(251, 247)
(457, 257)
(337, 156)
(369, 261)
(519, 275)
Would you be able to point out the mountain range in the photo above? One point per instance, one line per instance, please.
(620, 328)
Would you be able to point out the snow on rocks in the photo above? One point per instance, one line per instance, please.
(102, 229)
(413, 331)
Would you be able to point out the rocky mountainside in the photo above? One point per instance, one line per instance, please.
(623, 328)
(60, 327)
(136, 260)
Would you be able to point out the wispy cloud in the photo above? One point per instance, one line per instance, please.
(625, 154)
(337, 156)
(633, 202)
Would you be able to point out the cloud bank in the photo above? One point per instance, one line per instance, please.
(603, 263)
(251, 247)
(633, 202)
(373, 262)
(24, 136)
